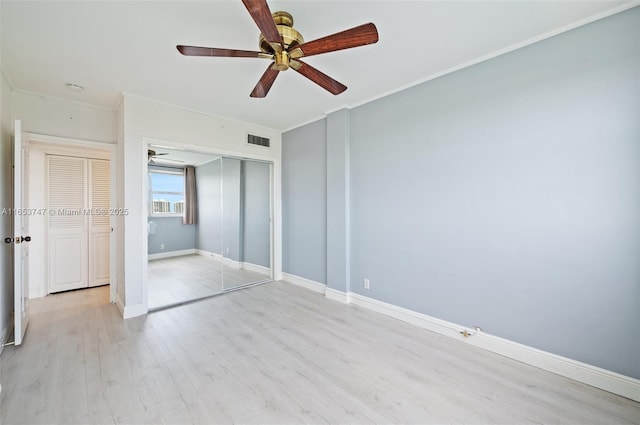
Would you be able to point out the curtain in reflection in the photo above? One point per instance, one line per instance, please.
(190, 201)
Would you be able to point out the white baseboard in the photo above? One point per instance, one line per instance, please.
(134, 311)
(330, 293)
(582, 372)
(37, 291)
(256, 268)
(208, 254)
(592, 375)
(120, 304)
(335, 295)
(305, 283)
(170, 254)
(232, 263)
(235, 264)
(578, 371)
(129, 311)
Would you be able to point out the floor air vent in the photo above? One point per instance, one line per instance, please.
(258, 141)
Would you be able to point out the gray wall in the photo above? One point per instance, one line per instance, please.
(256, 201)
(209, 193)
(304, 202)
(172, 233)
(6, 284)
(338, 164)
(505, 195)
(231, 209)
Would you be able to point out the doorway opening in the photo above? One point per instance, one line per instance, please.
(72, 244)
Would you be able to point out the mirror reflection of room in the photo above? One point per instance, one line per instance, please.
(209, 227)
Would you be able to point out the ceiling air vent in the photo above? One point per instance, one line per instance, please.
(258, 141)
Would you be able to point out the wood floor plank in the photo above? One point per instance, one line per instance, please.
(271, 354)
(189, 277)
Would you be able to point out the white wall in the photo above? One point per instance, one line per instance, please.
(6, 283)
(48, 116)
(119, 220)
(143, 121)
(56, 117)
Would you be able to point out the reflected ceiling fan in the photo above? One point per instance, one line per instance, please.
(153, 155)
(284, 45)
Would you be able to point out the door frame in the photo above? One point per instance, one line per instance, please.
(63, 145)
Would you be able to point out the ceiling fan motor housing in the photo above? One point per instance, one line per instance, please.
(290, 39)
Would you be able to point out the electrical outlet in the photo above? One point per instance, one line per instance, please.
(161, 246)
(366, 283)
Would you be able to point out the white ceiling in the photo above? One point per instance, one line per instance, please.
(110, 47)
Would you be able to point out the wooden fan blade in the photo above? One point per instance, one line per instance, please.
(259, 11)
(266, 81)
(318, 77)
(354, 37)
(211, 51)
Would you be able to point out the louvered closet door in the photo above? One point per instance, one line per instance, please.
(99, 222)
(67, 223)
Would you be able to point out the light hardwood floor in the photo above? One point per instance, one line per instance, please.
(274, 354)
(191, 277)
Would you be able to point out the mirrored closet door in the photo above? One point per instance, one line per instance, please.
(246, 200)
(227, 245)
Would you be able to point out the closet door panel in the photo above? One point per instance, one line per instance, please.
(99, 221)
(99, 265)
(67, 262)
(67, 223)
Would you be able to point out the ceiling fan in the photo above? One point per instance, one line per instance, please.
(284, 46)
(153, 155)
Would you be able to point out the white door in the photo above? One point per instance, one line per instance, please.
(99, 222)
(67, 223)
(21, 236)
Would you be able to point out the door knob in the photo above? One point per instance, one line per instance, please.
(8, 240)
(26, 238)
